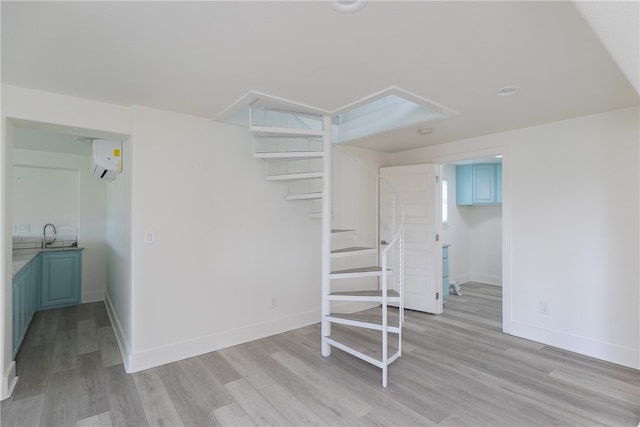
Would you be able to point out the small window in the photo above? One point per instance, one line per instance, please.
(445, 203)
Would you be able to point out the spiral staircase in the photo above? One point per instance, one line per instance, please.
(298, 151)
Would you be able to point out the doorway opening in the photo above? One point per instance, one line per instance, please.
(472, 231)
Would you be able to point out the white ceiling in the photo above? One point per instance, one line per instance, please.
(200, 57)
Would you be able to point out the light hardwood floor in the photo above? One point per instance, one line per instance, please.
(456, 369)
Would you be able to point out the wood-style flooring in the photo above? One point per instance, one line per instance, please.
(457, 369)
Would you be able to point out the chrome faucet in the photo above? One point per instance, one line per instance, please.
(44, 235)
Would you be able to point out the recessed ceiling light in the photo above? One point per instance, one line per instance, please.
(347, 6)
(508, 90)
(425, 131)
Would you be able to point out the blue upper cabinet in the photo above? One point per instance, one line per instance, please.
(479, 184)
(60, 279)
(499, 183)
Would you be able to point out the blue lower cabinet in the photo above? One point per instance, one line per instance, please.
(25, 286)
(60, 279)
(49, 280)
(445, 272)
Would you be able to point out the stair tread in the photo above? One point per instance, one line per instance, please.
(351, 249)
(296, 175)
(280, 131)
(373, 293)
(374, 268)
(392, 317)
(288, 155)
(304, 196)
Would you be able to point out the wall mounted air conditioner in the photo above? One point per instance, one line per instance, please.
(106, 159)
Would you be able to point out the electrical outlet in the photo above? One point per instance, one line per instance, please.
(274, 303)
(544, 308)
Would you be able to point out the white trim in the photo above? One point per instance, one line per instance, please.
(9, 381)
(461, 279)
(93, 296)
(253, 96)
(182, 350)
(625, 356)
(488, 280)
(121, 338)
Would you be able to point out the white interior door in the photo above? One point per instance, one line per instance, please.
(419, 189)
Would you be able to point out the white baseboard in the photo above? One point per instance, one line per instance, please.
(182, 350)
(92, 296)
(619, 355)
(480, 278)
(9, 381)
(461, 279)
(489, 280)
(121, 338)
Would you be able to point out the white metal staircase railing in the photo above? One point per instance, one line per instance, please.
(389, 271)
(297, 148)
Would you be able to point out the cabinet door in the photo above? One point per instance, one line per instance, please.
(463, 185)
(60, 279)
(499, 183)
(484, 184)
(15, 315)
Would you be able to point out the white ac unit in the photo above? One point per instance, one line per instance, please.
(106, 159)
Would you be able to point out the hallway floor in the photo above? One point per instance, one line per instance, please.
(457, 369)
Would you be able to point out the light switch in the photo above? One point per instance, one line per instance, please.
(148, 236)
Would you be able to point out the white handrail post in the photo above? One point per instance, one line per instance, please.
(326, 232)
(383, 279)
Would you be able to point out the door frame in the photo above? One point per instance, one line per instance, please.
(505, 152)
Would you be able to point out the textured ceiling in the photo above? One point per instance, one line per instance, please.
(200, 57)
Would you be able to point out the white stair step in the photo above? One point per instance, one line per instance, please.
(352, 251)
(304, 196)
(342, 320)
(277, 131)
(288, 155)
(365, 296)
(372, 271)
(294, 176)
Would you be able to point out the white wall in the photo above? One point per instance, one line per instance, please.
(226, 243)
(570, 212)
(44, 195)
(119, 296)
(85, 210)
(485, 244)
(8, 377)
(28, 107)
